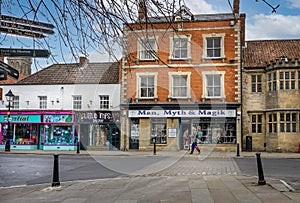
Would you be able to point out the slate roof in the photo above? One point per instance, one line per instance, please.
(92, 73)
(259, 52)
(199, 17)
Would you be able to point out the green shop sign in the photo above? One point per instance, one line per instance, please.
(58, 118)
(21, 118)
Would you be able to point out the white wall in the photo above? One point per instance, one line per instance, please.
(61, 95)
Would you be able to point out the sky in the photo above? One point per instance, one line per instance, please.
(261, 24)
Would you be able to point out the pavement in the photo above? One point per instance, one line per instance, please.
(187, 180)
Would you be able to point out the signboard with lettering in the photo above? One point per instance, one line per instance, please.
(24, 52)
(97, 117)
(23, 27)
(10, 70)
(181, 113)
(21, 118)
(50, 118)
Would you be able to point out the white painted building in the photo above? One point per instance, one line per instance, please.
(61, 104)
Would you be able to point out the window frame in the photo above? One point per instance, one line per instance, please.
(77, 103)
(188, 85)
(256, 86)
(15, 104)
(144, 48)
(139, 77)
(222, 45)
(43, 102)
(205, 82)
(272, 123)
(257, 123)
(188, 47)
(104, 103)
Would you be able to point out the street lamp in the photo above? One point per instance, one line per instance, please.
(9, 97)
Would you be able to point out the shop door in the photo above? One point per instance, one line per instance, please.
(41, 138)
(185, 136)
(114, 138)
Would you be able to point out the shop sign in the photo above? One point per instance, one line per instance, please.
(58, 118)
(21, 118)
(97, 117)
(182, 113)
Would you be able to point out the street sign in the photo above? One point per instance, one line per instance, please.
(24, 52)
(28, 22)
(22, 33)
(27, 28)
(10, 70)
(15, 26)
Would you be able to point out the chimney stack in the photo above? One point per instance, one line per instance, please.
(83, 61)
(236, 6)
(142, 10)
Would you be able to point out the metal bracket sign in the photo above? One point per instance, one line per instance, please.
(27, 28)
(24, 52)
(10, 70)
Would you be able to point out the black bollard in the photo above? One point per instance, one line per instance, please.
(154, 148)
(238, 149)
(261, 179)
(55, 181)
(78, 147)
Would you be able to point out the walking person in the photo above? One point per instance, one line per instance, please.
(195, 146)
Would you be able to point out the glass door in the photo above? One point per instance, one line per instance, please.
(114, 137)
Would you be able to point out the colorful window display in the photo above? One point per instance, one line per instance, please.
(21, 134)
(59, 135)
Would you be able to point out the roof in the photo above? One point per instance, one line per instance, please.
(199, 17)
(11, 80)
(258, 53)
(92, 73)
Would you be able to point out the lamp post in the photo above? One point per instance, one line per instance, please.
(9, 97)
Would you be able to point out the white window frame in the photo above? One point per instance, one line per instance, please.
(104, 102)
(15, 104)
(213, 35)
(77, 103)
(188, 92)
(145, 48)
(172, 46)
(138, 84)
(205, 93)
(43, 102)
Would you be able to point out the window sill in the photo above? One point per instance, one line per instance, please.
(147, 98)
(223, 99)
(180, 59)
(145, 60)
(175, 98)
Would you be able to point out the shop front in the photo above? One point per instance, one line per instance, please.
(99, 130)
(38, 130)
(22, 130)
(175, 127)
(57, 131)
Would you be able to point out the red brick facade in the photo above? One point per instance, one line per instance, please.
(196, 64)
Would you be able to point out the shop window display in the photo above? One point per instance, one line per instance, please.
(59, 135)
(208, 131)
(158, 130)
(21, 134)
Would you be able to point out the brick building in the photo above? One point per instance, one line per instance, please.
(271, 95)
(181, 76)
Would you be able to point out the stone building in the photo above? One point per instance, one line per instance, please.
(271, 95)
(181, 80)
(21, 64)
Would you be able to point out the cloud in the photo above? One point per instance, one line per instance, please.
(200, 6)
(293, 3)
(273, 27)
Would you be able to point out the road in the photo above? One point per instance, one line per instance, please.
(28, 169)
(284, 169)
